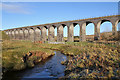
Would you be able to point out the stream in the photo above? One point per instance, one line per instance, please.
(50, 69)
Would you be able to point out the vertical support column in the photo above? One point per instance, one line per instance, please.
(51, 34)
(118, 35)
(37, 34)
(97, 31)
(10, 34)
(23, 37)
(60, 33)
(43, 34)
(21, 34)
(14, 34)
(118, 32)
(70, 33)
(83, 32)
(17, 34)
(26, 34)
(114, 30)
(32, 34)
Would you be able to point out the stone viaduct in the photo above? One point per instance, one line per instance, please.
(39, 32)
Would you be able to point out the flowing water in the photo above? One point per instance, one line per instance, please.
(49, 69)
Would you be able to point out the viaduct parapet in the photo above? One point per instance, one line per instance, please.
(39, 32)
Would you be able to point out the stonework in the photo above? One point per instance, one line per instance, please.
(39, 32)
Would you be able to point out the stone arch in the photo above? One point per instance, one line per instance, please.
(16, 34)
(21, 34)
(83, 26)
(44, 33)
(90, 27)
(55, 33)
(47, 33)
(106, 29)
(76, 32)
(26, 34)
(117, 24)
(13, 34)
(37, 34)
(98, 26)
(32, 34)
(10, 34)
(51, 33)
(65, 32)
(70, 27)
(60, 33)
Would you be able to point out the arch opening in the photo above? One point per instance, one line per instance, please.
(90, 31)
(106, 30)
(76, 32)
(65, 33)
(47, 34)
(55, 33)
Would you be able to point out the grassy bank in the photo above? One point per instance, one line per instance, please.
(89, 60)
(13, 53)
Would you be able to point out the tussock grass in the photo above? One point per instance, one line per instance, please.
(90, 60)
(13, 52)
